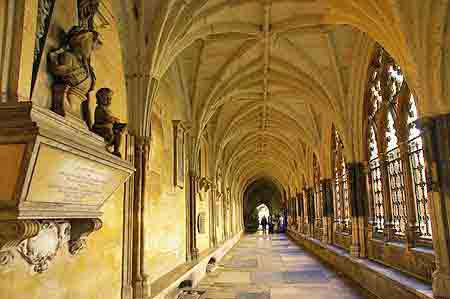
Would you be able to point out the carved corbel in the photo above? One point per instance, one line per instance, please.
(81, 229)
(40, 250)
(204, 184)
(12, 233)
(219, 196)
(38, 242)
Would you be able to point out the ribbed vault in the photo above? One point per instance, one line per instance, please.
(267, 79)
(267, 86)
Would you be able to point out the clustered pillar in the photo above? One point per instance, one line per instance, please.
(436, 136)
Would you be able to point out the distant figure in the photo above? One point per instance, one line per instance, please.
(270, 224)
(264, 223)
(281, 224)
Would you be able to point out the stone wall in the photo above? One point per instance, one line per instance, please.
(97, 272)
(165, 222)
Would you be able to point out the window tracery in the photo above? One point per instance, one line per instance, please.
(375, 176)
(417, 164)
(395, 152)
(341, 186)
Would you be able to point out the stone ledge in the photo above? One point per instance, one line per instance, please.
(168, 284)
(378, 279)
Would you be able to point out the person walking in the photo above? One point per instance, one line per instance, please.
(264, 224)
(270, 224)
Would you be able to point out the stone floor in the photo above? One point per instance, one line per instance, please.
(272, 266)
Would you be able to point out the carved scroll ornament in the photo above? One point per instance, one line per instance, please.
(38, 242)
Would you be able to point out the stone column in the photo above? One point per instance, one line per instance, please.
(370, 202)
(436, 137)
(310, 211)
(141, 282)
(305, 211)
(358, 205)
(18, 36)
(193, 250)
(212, 216)
(327, 210)
(128, 223)
(299, 212)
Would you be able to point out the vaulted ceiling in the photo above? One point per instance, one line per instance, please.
(264, 84)
(267, 79)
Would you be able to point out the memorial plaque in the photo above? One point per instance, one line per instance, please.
(62, 177)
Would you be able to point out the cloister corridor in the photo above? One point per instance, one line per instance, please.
(144, 144)
(271, 266)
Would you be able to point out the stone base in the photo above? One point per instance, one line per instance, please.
(441, 285)
(354, 251)
(142, 289)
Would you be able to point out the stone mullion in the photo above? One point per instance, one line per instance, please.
(388, 222)
(412, 229)
(436, 132)
(341, 206)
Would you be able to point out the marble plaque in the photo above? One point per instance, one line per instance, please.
(63, 177)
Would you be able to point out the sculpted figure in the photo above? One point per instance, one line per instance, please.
(107, 125)
(75, 77)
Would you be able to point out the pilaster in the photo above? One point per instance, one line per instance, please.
(436, 137)
(141, 282)
(327, 210)
(193, 250)
(357, 194)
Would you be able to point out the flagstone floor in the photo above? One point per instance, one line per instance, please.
(272, 266)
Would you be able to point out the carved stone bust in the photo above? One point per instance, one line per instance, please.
(75, 77)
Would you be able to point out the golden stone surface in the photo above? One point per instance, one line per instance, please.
(11, 156)
(63, 177)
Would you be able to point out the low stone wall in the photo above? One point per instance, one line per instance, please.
(380, 280)
(194, 272)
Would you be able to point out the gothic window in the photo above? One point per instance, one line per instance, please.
(341, 186)
(395, 152)
(395, 175)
